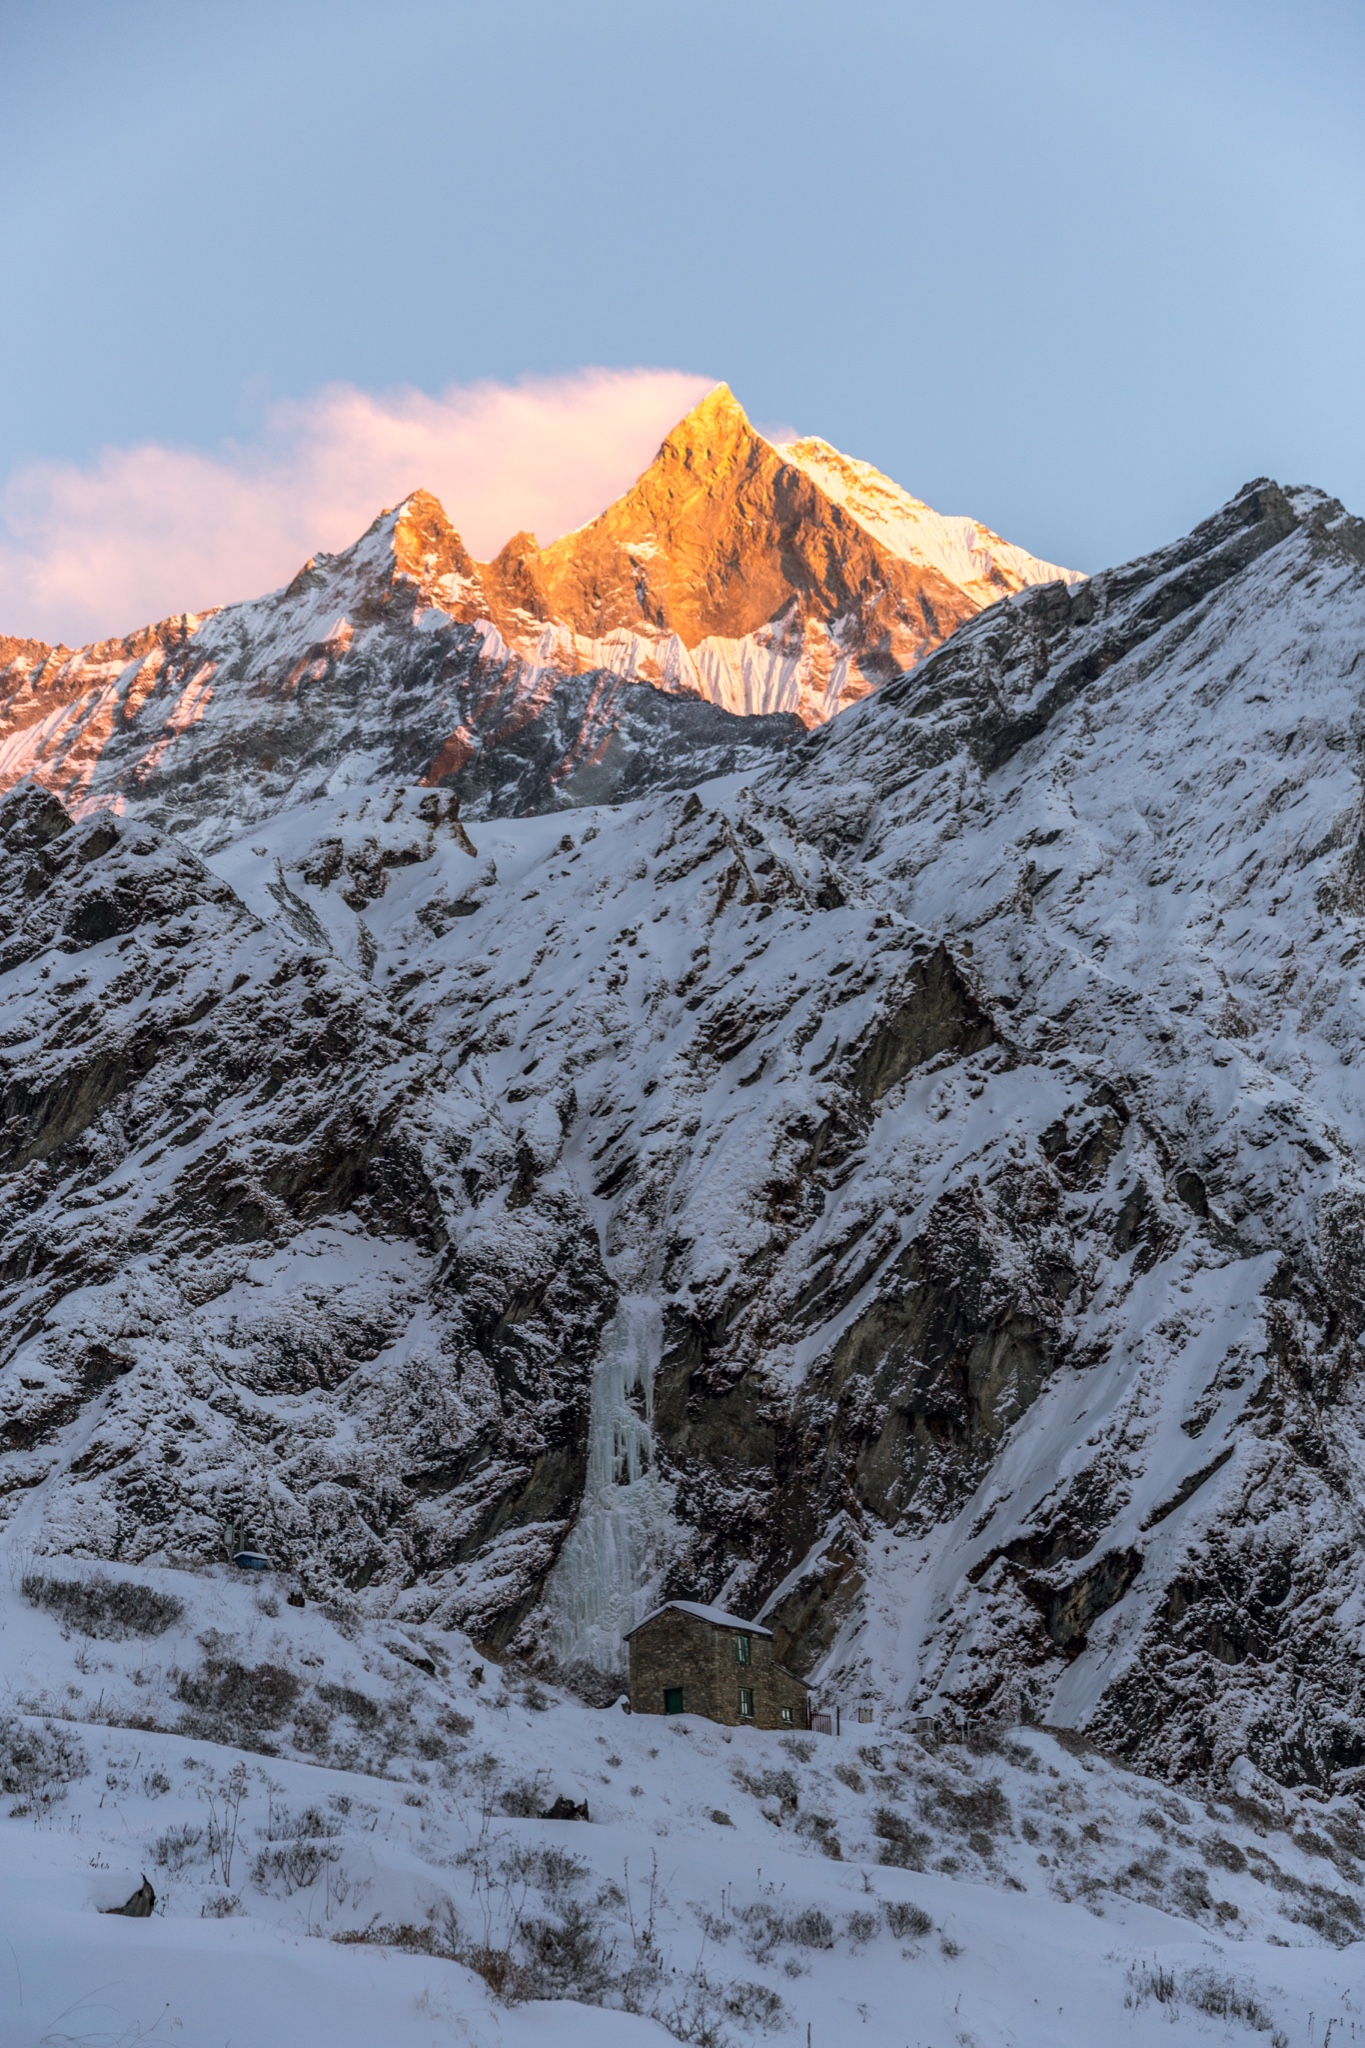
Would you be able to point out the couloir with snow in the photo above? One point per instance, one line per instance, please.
(776, 1051)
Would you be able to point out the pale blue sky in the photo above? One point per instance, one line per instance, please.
(1079, 269)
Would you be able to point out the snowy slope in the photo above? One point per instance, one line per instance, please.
(966, 552)
(340, 1822)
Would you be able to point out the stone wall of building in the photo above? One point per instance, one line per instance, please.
(676, 1650)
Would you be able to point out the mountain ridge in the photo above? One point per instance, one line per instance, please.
(693, 628)
(913, 1198)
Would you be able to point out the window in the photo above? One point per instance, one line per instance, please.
(864, 1715)
(673, 1699)
(746, 1703)
(786, 1717)
(743, 1650)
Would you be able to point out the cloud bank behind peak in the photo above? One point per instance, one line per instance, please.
(90, 551)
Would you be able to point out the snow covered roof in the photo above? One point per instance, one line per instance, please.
(718, 1616)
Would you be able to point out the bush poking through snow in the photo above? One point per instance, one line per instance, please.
(430, 1940)
(177, 1848)
(1221, 1998)
(902, 1846)
(523, 1799)
(367, 1713)
(764, 1928)
(555, 1871)
(595, 1688)
(565, 1957)
(753, 2005)
(907, 1922)
(101, 1606)
(37, 1764)
(292, 1866)
(1333, 1915)
(298, 1848)
(810, 1928)
(979, 1809)
(234, 1703)
(778, 1785)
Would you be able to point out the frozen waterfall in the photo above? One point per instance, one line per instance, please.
(613, 1564)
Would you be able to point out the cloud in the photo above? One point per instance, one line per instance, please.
(141, 533)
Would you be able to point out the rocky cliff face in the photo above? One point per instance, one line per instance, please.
(763, 579)
(723, 604)
(915, 1196)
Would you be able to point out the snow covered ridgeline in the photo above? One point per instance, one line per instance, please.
(734, 595)
(390, 1879)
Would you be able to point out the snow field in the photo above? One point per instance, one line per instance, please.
(731, 1885)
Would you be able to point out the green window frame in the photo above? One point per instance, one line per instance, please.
(746, 1703)
(786, 1717)
(744, 1653)
(673, 1699)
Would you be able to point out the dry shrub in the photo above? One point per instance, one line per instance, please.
(765, 1927)
(177, 1847)
(523, 1798)
(1221, 1998)
(358, 1706)
(555, 1870)
(778, 1785)
(101, 1606)
(422, 1941)
(233, 1702)
(753, 2005)
(1224, 1855)
(810, 1928)
(1346, 1831)
(1072, 1741)
(1333, 1915)
(566, 1957)
(313, 1728)
(38, 1763)
(439, 1937)
(292, 1866)
(902, 1846)
(905, 1921)
(979, 1809)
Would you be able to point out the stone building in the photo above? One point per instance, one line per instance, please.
(689, 1659)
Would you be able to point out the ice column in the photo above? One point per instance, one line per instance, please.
(611, 1567)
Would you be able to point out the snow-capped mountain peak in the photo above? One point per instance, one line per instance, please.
(731, 597)
(966, 552)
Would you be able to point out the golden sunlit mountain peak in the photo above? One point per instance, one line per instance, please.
(766, 578)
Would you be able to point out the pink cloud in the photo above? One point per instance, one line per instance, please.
(88, 552)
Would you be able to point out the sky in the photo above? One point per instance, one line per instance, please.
(1079, 268)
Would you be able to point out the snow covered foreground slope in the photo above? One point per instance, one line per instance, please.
(341, 1821)
(914, 1195)
(734, 595)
